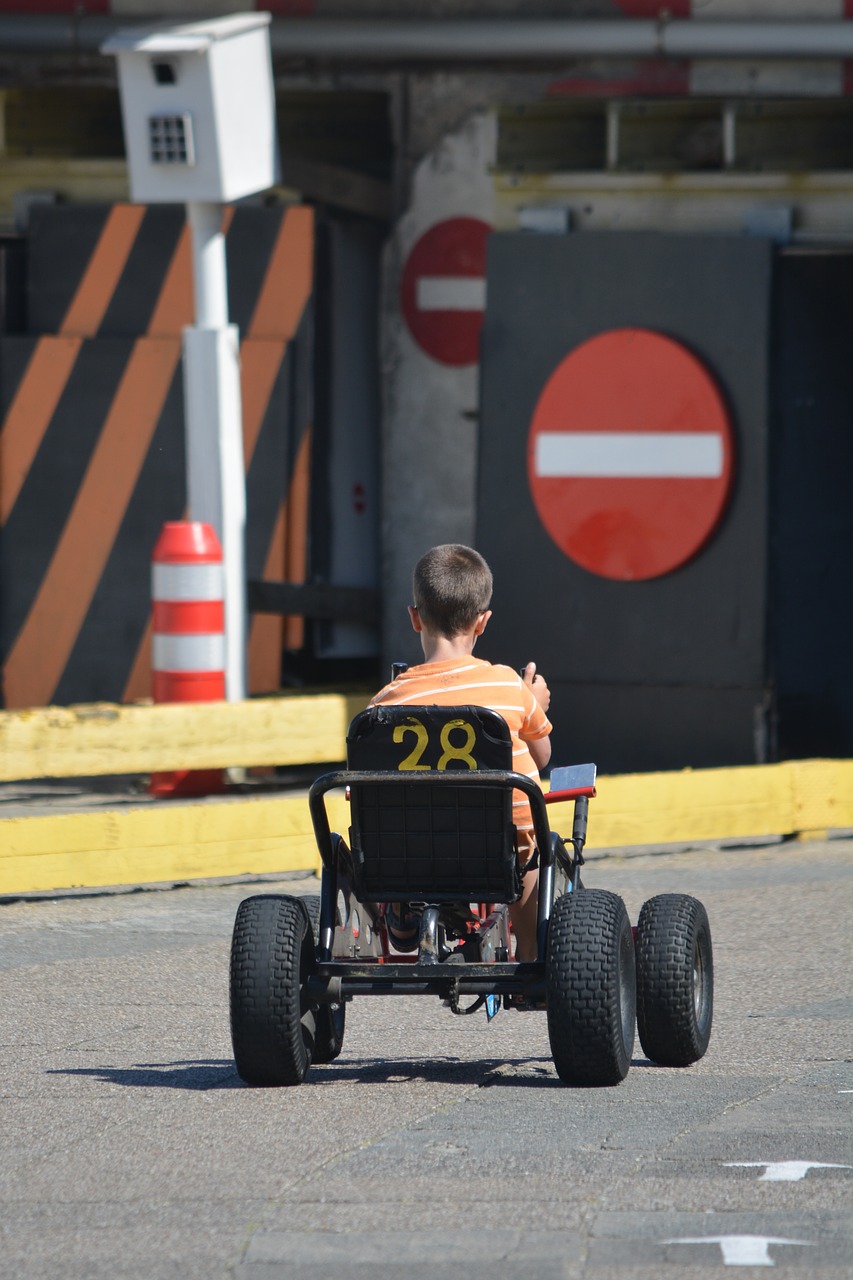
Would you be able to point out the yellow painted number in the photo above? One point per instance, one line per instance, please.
(462, 752)
(412, 760)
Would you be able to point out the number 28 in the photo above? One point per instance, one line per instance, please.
(449, 750)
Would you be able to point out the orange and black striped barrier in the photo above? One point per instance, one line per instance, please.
(92, 438)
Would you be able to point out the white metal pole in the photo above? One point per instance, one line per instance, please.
(216, 485)
(210, 279)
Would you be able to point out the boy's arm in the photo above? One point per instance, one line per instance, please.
(540, 747)
(540, 751)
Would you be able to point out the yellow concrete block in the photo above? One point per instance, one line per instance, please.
(823, 794)
(718, 804)
(156, 841)
(162, 841)
(701, 804)
(101, 738)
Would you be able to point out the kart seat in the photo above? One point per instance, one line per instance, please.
(423, 827)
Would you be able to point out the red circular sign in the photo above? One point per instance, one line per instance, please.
(443, 291)
(630, 455)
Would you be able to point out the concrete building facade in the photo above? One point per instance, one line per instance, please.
(421, 136)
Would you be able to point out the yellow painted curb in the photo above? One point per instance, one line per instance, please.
(161, 841)
(102, 738)
(720, 804)
(157, 841)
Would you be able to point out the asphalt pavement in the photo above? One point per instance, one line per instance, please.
(435, 1145)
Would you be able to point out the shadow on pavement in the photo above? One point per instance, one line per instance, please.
(202, 1075)
(195, 1076)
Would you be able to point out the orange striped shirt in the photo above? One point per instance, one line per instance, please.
(475, 682)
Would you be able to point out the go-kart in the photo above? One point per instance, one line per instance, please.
(430, 793)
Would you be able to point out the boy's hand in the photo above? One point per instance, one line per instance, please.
(538, 686)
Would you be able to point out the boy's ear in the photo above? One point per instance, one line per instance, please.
(481, 622)
(415, 617)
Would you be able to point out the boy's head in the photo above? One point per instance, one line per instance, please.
(451, 586)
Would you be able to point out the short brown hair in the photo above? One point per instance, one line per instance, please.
(451, 585)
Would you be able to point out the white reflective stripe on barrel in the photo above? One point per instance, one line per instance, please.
(187, 581)
(188, 652)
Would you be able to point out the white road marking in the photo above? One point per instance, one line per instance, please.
(782, 1170)
(637, 454)
(450, 293)
(741, 1251)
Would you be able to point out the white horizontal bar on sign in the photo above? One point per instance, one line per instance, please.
(451, 293)
(187, 582)
(188, 652)
(635, 454)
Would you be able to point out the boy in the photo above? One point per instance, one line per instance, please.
(452, 591)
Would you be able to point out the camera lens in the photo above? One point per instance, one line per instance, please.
(164, 72)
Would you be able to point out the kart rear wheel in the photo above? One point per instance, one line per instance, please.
(272, 1026)
(330, 1019)
(590, 983)
(675, 979)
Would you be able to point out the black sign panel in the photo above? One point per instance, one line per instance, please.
(669, 671)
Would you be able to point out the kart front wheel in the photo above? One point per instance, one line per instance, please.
(590, 983)
(272, 1027)
(675, 979)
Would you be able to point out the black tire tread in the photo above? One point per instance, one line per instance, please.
(271, 951)
(669, 929)
(586, 943)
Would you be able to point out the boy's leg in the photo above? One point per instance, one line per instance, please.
(523, 915)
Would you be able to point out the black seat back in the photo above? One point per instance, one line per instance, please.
(415, 836)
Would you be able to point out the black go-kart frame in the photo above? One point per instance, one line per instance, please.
(431, 833)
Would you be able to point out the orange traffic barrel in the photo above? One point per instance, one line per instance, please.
(188, 641)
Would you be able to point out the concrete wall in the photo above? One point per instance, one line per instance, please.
(445, 127)
(430, 407)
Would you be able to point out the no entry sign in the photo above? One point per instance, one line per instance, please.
(443, 291)
(630, 455)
